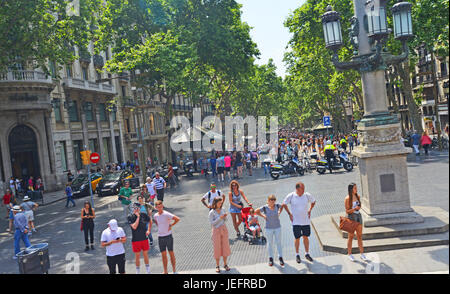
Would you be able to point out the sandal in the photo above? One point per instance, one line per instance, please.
(226, 268)
(218, 269)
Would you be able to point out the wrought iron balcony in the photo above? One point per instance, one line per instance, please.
(98, 61)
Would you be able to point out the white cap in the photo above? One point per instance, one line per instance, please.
(113, 225)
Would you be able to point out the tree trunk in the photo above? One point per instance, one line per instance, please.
(436, 98)
(413, 109)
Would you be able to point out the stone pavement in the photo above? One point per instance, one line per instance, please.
(427, 260)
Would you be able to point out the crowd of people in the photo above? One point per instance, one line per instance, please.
(144, 213)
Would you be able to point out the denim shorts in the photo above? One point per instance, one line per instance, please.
(234, 209)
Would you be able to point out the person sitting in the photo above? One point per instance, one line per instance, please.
(253, 224)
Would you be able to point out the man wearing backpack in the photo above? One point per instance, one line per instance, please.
(209, 196)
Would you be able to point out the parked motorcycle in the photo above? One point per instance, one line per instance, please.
(293, 166)
(342, 162)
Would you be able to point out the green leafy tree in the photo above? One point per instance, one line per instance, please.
(32, 32)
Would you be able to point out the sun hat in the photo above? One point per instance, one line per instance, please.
(113, 225)
(26, 198)
(16, 208)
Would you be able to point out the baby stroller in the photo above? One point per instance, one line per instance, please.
(248, 235)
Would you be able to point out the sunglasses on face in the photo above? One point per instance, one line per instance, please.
(272, 199)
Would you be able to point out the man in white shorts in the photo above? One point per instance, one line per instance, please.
(300, 217)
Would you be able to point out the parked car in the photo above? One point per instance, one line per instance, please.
(111, 183)
(80, 185)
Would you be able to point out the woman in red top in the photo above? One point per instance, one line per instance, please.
(425, 141)
(7, 198)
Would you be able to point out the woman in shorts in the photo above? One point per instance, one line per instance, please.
(352, 208)
(236, 205)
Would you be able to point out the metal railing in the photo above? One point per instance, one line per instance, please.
(24, 75)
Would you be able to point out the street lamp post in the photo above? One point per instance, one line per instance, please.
(382, 158)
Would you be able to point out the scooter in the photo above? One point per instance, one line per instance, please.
(292, 167)
(189, 169)
(342, 162)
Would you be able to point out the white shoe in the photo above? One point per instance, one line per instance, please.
(364, 257)
(351, 257)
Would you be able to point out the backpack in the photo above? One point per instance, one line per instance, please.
(209, 195)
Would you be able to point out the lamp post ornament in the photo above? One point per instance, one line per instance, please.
(382, 157)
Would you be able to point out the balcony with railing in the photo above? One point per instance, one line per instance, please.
(86, 85)
(128, 101)
(27, 76)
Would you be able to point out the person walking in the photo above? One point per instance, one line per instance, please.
(12, 186)
(415, 138)
(236, 205)
(171, 176)
(160, 185)
(220, 168)
(425, 141)
(227, 159)
(239, 164)
(30, 184)
(300, 217)
(147, 208)
(125, 195)
(213, 164)
(352, 208)
(151, 189)
(21, 229)
(113, 239)
(87, 219)
(29, 207)
(271, 213)
(165, 239)
(221, 243)
(69, 195)
(140, 229)
(212, 194)
(7, 201)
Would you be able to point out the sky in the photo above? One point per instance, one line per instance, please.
(267, 19)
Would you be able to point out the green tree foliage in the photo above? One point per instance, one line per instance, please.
(34, 31)
(315, 88)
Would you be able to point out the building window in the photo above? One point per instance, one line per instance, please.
(69, 71)
(77, 148)
(109, 79)
(63, 154)
(127, 125)
(57, 111)
(88, 111)
(93, 145)
(73, 112)
(443, 69)
(84, 72)
(107, 54)
(52, 66)
(102, 111)
(99, 76)
(124, 91)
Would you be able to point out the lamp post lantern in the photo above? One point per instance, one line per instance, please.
(382, 157)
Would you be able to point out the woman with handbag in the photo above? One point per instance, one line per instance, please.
(352, 208)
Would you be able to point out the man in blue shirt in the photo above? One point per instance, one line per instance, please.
(415, 138)
(21, 229)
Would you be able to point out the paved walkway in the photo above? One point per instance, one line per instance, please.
(427, 260)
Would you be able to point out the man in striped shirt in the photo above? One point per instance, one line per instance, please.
(160, 185)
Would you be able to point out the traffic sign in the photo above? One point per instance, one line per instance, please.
(326, 121)
(95, 157)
